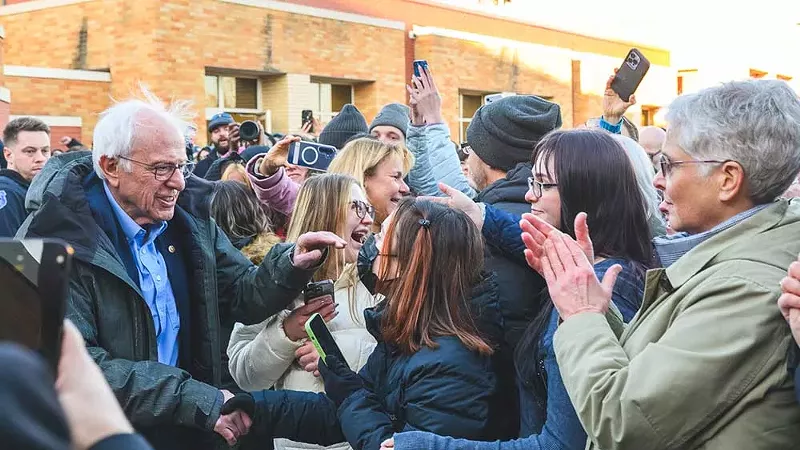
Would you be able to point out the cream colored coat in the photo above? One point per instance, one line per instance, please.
(262, 356)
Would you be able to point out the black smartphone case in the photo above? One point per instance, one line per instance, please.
(630, 74)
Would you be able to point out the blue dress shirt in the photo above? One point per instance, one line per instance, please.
(153, 280)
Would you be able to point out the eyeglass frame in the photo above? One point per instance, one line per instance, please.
(153, 168)
(542, 186)
(363, 209)
(665, 164)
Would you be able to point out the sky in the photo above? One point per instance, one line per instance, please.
(764, 32)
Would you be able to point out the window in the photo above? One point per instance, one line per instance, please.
(649, 115)
(232, 93)
(468, 104)
(328, 99)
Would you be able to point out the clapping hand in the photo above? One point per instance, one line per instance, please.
(789, 301)
(567, 266)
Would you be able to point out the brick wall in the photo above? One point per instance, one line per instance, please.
(56, 133)
(45, 97)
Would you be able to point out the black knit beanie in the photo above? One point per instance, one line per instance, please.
(503, 133)
(347, 123)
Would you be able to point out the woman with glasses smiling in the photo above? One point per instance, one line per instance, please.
(276, 353)
(574, 172)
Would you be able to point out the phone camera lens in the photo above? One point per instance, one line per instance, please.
(60, 259)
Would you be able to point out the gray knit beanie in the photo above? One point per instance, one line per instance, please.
(343, 126)
(394, 115)
(503, 133)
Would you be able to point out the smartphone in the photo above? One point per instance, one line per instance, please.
(322, 338)
(317, 290)
(34, 274)
(418, 65)
(312, 155)
(308, 116)
(630, 74)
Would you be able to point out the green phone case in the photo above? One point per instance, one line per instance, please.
(314, 338)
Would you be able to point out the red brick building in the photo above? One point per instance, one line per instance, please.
(64, 60)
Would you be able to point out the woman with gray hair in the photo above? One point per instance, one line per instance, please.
(704, 363)
(643, 168)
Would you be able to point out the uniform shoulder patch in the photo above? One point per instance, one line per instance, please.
(3, 199)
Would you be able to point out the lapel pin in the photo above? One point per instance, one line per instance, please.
(171, 249)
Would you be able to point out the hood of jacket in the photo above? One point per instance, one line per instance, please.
(484, 306)
(59, 207)
(511, 189)
(15, 176)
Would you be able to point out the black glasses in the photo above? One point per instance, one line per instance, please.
(362, 209)
(665, 164)
(164, 171)
(537, 186)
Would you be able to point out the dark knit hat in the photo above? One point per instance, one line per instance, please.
(503, 133)
(393, 115)
(347, 123)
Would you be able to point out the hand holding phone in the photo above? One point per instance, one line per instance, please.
(424, 97)
(312, 155)
(322, 338)
(294, 323)
(630, 74)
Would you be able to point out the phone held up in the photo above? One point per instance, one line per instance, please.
(322, 338)
(308, 116)
(630, 74)
(418, 66)
(312, 155)
(34, 274)
(316, 290)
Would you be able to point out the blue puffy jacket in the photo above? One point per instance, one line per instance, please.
(447, 390)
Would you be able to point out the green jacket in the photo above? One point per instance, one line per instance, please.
(704, 363)
(109, 310)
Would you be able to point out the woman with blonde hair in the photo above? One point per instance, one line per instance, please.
(236, 172)
(276, 353)
(380, 168)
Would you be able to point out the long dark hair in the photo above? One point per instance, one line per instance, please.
(594, 176)
(439, 255)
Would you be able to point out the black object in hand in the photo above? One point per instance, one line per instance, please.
(340, 381)
(240, 402)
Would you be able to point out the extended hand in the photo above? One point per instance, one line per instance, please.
(458, 200)
(233, 425)
(276, 156)
(310, 248)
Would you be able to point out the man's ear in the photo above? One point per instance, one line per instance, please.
(111, 169)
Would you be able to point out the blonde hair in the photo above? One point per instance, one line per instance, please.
(236, 169)
(360, 157)
(323, 204)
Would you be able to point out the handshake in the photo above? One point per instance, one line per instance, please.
(235, 417)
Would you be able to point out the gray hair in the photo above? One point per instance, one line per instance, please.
(755, 123)
(121, 125)
(643, 168)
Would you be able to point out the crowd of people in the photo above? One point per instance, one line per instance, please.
(605, 287)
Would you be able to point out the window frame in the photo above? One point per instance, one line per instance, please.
(221, 101)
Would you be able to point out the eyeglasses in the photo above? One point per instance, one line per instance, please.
(362, 209)
(665, 164)
(537, 186)
(164, 171)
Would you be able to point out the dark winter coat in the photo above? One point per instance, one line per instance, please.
(13, 189)
(105, 302)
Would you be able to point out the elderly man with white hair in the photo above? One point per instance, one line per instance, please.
(705, 363)
(154, 277)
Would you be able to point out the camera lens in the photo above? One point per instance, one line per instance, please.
(248, 131)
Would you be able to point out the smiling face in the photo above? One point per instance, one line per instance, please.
(145, 199)
(548, 206)
(357, 228)
(28, 154)
(385, 188)
(298, 174)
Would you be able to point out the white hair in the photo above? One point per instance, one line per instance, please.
(121, 125)
(755, 123)
(643, 168)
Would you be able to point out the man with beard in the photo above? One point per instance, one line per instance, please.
(224, 136)
(27, 149)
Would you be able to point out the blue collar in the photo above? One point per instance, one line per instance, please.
(132, 230)
(670, 248)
